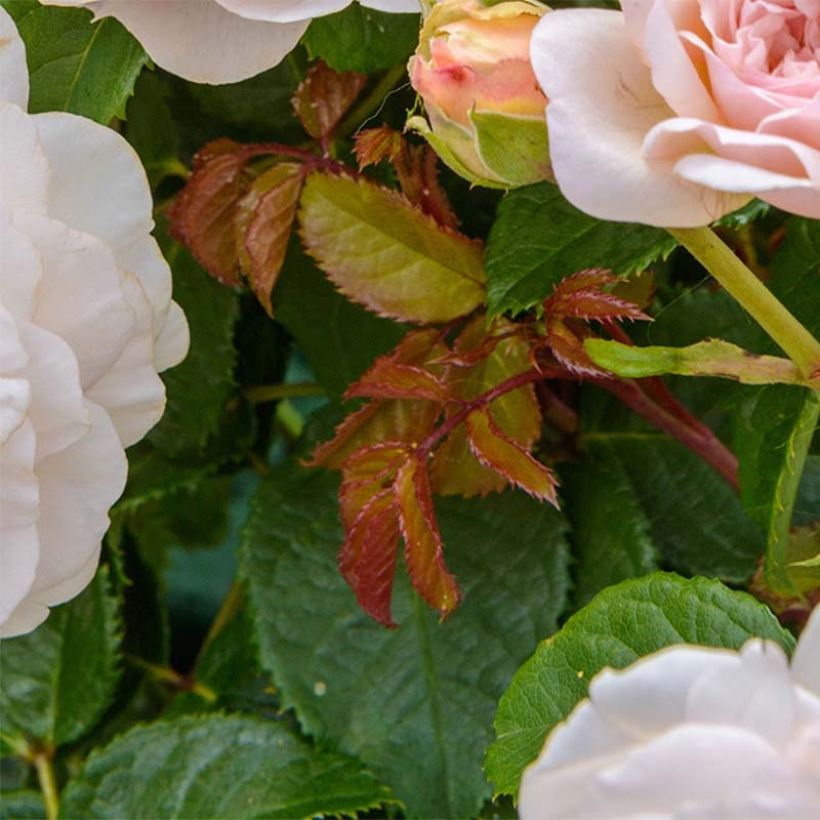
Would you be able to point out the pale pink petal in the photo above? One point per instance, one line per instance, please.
(289, 11)
(131, 392)
(651, 695)
(172, 345)
(23, 166)
(602, 105)
(145, 259)
(15, 400)
(806, 658)
(22, 269)
(19, 555)
(202, 41)
(19, 492)
(57, 409)
(755, 693)
(802, 124)
(673, 73)
(85, 161)
(81, 297)
(13, 68)
(774, 168)
(78, 485)
(583, 734)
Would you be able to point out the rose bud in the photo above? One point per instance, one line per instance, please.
(485, 111)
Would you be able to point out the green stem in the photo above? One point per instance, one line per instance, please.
(719, 259)
(785, 495)
(48, 783)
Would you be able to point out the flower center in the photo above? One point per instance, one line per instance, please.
(778, 38)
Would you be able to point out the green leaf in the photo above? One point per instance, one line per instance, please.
(218, 766)
(384, 253)
(623, 623)
(361, 39)
(339, 339)
(22, 804)
(696, 519)
(199, 388)
(414, 703)
(58, 680)
(538, 238)
(74, 65)
(775, 431)
(610, 530)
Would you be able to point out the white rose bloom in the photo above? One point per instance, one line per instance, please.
(221, 41)
(689, 733)
(86, 321)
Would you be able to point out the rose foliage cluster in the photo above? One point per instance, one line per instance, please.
(409, 409)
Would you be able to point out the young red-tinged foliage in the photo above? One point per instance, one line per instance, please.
(263, 225)
(381, 251)
(375, 145)
(202, 217)
(366, 473)
(424, 551)
(367, 559)
(582, 296)
(389, 419)
(324, 97)
(481, 359)
(500, 453)
(416, 168)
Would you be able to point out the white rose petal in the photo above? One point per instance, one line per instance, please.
(689, 732)
(86, 323)
(221, 41)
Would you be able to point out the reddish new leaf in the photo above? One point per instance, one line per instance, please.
(264, 222)
(582, 296)
(424, 551)
(368, 556)
(375, 145)
(566, 343)
(323, 98)
(500, 453)
(365, 474)
(398, 375)
(484, 358)
(202, 216)
(408, 421)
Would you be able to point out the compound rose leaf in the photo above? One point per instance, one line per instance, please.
(367, 559)
(495, 355)
(366, 473)
(264, 221)
(202, 217)
(323, 98)
(582, 296)
(375, 145)
(424, 550)
(387, 255)
(500, 453)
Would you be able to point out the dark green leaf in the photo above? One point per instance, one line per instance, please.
(218, 766)
(25, 804)
(610, 530)
(538, 238)
(696, 519)
(623, 623)
(361, 39)
(59, 679)
(415, 703)
(199, 388)
(76, 66)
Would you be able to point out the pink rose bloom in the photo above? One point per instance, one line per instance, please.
(675, 112)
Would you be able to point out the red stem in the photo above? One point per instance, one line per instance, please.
(701, 441)
(507, 386)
